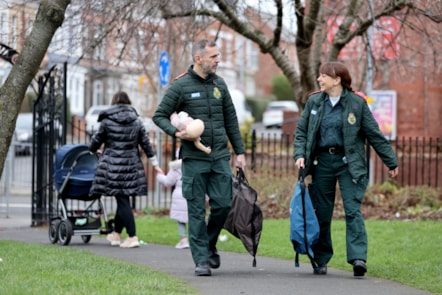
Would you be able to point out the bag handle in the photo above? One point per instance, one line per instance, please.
(241, 175)
(301, 174)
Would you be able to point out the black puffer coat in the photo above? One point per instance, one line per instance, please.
(120, 170)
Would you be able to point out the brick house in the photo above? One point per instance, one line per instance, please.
(407, 62)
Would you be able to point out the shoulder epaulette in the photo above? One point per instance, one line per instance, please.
(314, 92)
(180, 76)
(360, 94)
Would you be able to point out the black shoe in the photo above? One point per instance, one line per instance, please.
(214, 259)
(359, 268)
(202, 269)
(320, 270)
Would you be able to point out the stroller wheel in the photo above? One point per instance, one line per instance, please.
(53, 231)
(86, 238)
(65, 232)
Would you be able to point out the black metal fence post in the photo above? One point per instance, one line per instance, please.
(46, 138)
(253, 152)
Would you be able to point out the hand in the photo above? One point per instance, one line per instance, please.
(182, 134)
(240, 161)
(159, 170)
(393, 173)
(300, 163)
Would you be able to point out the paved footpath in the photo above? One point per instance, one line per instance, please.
(235, 276)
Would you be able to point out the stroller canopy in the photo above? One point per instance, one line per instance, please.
(76, 166)
(67, 154)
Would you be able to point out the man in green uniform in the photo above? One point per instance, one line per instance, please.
(204, 95)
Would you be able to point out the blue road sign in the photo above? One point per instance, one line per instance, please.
(164, 68)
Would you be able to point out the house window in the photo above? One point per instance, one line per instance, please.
(252, 56)
(100, 49)
(3, 27)
(98, 93)
(14, 32)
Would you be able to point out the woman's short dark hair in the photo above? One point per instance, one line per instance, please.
(336, 69)
(121, 97)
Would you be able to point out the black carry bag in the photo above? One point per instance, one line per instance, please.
(244, 220)
(304, 226)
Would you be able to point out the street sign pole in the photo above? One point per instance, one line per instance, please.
(369, 87)
(164, 77)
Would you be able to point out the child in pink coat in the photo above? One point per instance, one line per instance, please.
(178, 208)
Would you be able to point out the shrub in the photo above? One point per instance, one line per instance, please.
(246, 132)
(382, 201)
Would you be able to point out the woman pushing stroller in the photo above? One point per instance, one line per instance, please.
(120, 171)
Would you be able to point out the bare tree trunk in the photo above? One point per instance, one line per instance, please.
(304, 40)
(50, 16)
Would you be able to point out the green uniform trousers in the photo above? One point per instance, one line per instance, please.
(201, 178)
(329, 169)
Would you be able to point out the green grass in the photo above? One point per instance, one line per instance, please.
(406, 252)
(40, 269)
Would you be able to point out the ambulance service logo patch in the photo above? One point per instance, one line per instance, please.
(351, 118)
(216, 93)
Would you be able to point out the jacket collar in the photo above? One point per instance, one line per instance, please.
(322, 96)
(211, 78)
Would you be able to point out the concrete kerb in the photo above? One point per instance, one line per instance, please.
(20, 191)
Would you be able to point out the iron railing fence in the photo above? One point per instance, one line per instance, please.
(420, 162)
(268, 154)
(419, 158)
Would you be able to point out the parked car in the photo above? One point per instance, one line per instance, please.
(273, 115)
(92, 124)
(242, 110)
(22, 138)
(91, 118)
(23, 134)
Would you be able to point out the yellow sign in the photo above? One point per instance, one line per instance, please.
(370, 99)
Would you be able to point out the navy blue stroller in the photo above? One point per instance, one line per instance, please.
(79, 213)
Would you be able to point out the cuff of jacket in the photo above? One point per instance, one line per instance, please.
(154, 161)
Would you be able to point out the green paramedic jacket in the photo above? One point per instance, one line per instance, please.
(206, 99)
(358, 125)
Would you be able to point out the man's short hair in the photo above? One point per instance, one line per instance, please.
(200, 46)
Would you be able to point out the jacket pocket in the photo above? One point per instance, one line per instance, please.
(188, 188)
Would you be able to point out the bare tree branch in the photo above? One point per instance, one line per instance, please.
(304, 40)
(278, 28)
(344, 35)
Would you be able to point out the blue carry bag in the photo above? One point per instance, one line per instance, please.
(304, 226)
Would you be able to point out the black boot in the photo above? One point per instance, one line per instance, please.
(202, 269)
(359, 268)
(214, 259)
(320, 270)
